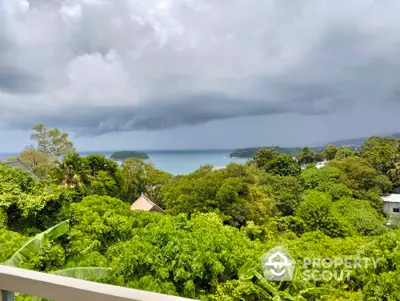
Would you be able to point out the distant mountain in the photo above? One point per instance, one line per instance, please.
(354, 144)
(358, 141)
(250, 151)
(353, 141)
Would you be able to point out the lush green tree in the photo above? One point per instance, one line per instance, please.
(380, 283)
(283, 165)
(330, 152)
(285, 192)
(292, 223)
(52, 141)
(26, 205)
(98, 222)
(306, 156)
(261, 206)
(263, 156)
(96, 163)
(336, 191)
(175, 255)
(361, 215)
(344, 152)
(359, 176)
(11, 176)
(394, 176)
(383, 154)
(375, 141)
(312, 177)
(380, 153)
(317, 211)
(139, 177)
(103, 184)
(230, 192)
(208, 191)
(104, 176)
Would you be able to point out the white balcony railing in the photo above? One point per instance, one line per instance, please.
(68, 289)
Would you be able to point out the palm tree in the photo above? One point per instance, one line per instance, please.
(71, 171)
(33, 246)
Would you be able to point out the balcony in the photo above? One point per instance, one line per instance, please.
(15, 280)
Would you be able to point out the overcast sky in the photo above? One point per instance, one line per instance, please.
(181, 74)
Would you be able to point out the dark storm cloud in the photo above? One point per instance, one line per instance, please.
(102, 66)
(17, 81)
(169, 113)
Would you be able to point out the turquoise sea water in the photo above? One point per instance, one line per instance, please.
(178, 162)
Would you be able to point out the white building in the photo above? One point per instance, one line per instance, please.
(391, 204)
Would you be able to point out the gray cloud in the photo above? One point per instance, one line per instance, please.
(17, 81)
(101, 66)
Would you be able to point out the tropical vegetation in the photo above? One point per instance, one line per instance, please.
(76, 221)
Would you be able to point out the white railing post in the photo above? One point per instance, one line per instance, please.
(6, 296)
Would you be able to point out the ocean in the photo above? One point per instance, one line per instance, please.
(178, 162)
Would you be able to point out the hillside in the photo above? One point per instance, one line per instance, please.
(353, 143)
(357, 141)
(250, 151)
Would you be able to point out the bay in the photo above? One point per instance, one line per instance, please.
(176, 162)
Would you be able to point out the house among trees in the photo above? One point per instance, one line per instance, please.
(145, 204)
(391, 204)
(19, 164)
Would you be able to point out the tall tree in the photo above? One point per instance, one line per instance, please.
(283, 165)
(344, 152)
(330, 152)
(263, 156)
(52, 141)
(140, 177)
(381, 153)
(306, 156)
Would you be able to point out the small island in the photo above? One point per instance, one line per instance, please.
(122, 155)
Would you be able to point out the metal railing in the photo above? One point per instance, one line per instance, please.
(58, 288)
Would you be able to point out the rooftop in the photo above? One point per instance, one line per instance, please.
(391, 198)
(144, 203)
(19, 164)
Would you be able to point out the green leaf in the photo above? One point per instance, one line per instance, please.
(33, 246)
(84, 272)
(246, 271)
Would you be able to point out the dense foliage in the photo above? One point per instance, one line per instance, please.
(218, 223)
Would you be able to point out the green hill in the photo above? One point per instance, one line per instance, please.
(250, 151)
(122, 155)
